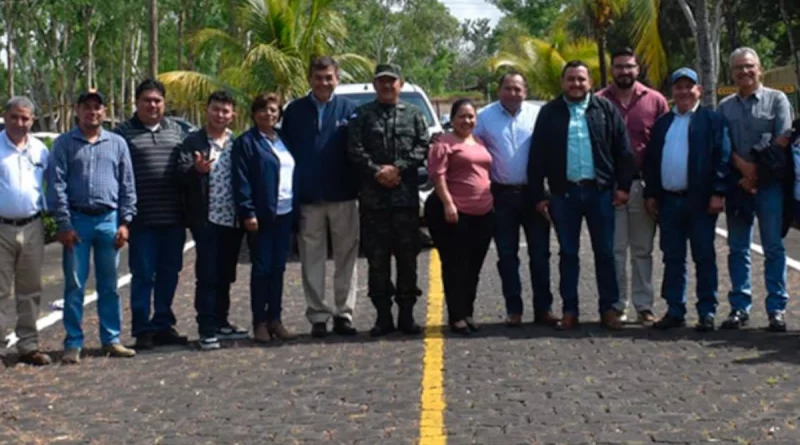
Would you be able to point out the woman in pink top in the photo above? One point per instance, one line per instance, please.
(459, 214)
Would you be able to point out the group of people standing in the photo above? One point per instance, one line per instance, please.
(627, 163)
(620, 158)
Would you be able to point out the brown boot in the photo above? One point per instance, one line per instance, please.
(261, 333)
(277, 330)
(569, 321)
(611, 320)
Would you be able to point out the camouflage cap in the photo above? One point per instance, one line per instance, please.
(387, 70)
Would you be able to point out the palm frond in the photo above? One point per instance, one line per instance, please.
(648, 40)
(186, 88)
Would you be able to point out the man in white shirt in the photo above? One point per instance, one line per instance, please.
(23, 160)
(506, 128)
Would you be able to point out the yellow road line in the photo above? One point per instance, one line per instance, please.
(431, 421)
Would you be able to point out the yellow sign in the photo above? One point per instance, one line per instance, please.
(787, 88)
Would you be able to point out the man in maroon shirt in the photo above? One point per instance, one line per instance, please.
(634, 227)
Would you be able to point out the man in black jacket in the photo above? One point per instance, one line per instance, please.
(580, 146)
(204, 164)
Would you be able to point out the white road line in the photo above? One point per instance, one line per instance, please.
(56, 316)
(791, 262)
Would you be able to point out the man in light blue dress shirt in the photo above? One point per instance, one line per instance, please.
(685, 171)
(506, 128)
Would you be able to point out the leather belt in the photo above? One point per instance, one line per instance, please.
(584, 182)
(20, 221)
(496, 186)
(92, 211)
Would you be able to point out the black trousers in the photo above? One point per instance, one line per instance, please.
(386, 233)
(462, 248)
(230, 244)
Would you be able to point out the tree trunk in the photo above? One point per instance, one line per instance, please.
(792, 47)
(181, 20)
(153, 40)
(9, 48)
(91, 37)
(111, 102)
(601, 55)
(136, 46)
(123, 74)
(705, 52)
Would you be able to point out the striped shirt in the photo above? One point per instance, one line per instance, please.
(154, 154)
(90, 175)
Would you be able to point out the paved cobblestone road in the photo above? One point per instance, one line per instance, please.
(527, 386)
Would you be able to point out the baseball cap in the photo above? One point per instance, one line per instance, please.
(92, 94)
(680, 73)
(387, 70)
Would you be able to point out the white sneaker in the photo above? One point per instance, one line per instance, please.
(209, 343)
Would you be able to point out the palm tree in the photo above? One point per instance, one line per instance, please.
(541, 61)
(600, 15)
(271, 51)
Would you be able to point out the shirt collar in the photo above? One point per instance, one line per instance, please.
(688, 113)
(228, 135)
(78, 134)
(758, 94)
(8, 142)
(505, 111)
(582, 104)
(317, 102)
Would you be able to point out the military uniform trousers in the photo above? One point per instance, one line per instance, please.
(387, 232)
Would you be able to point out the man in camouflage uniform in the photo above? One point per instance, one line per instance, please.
(388, 141)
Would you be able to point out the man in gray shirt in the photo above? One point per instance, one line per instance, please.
(757, 115)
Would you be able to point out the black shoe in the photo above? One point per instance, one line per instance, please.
(384, 325)
(405, 321)
(319, 330)
(705, 324)
(776, 322)
(463, 330)
(381, 329)
(343, 326)
(737, 319)
(669, 322)
(169, 337)
(473, 327)
(144, 342)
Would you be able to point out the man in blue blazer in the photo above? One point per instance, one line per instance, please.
(314, 128)
(686, 169)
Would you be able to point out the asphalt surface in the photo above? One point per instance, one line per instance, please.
(532, 385)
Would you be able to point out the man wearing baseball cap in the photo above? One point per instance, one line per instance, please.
(685, 170)
(387, 142)
(93, 198)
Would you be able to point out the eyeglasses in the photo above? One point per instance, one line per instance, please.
(746, 66)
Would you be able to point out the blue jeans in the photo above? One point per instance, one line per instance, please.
(512, 210)
(269, 248)
(567, 211)
(155, 258)
(98, 233)
(679, 223)
(769, 210)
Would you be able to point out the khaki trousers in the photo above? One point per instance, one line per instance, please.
(21, 255)
(634, 230)
(343, 219)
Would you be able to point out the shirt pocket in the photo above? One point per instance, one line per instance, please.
(760, 122)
